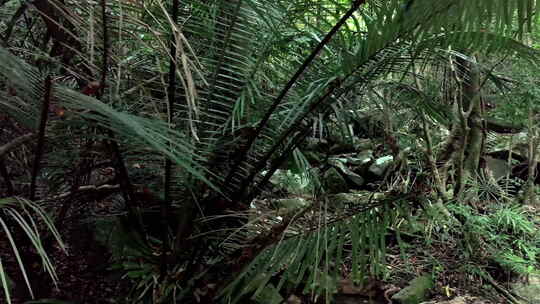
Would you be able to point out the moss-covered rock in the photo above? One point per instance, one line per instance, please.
(530, 291)
(291, 203)
(416, 292)
(334, 182)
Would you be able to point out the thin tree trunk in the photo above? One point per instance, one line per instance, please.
(532, 155)
(470, 114)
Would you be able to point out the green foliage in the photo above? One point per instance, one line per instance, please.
(240, 64)
(513, 219)
(506, 235)
(136, 259)
(514, 104)
(485, 188)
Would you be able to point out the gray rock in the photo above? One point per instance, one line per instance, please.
(362, 158)
(315, 144)
(498, 167)
(456, 300)
(278, 177)
(289, 181)
(343, 199)
(351, 199)
(338, 162)
(354, 178)
(380, 165)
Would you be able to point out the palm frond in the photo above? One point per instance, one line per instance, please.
(317, 257)
(134, 129)
(22, 212)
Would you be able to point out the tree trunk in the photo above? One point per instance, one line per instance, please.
(470, 113)
(532, 155)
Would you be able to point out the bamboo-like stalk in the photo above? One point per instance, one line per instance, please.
(41, 136)
(82, 166)
(171, 94)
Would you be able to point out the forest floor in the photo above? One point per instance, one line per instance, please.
(84, 277)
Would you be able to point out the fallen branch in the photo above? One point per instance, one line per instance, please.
(86, 189)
